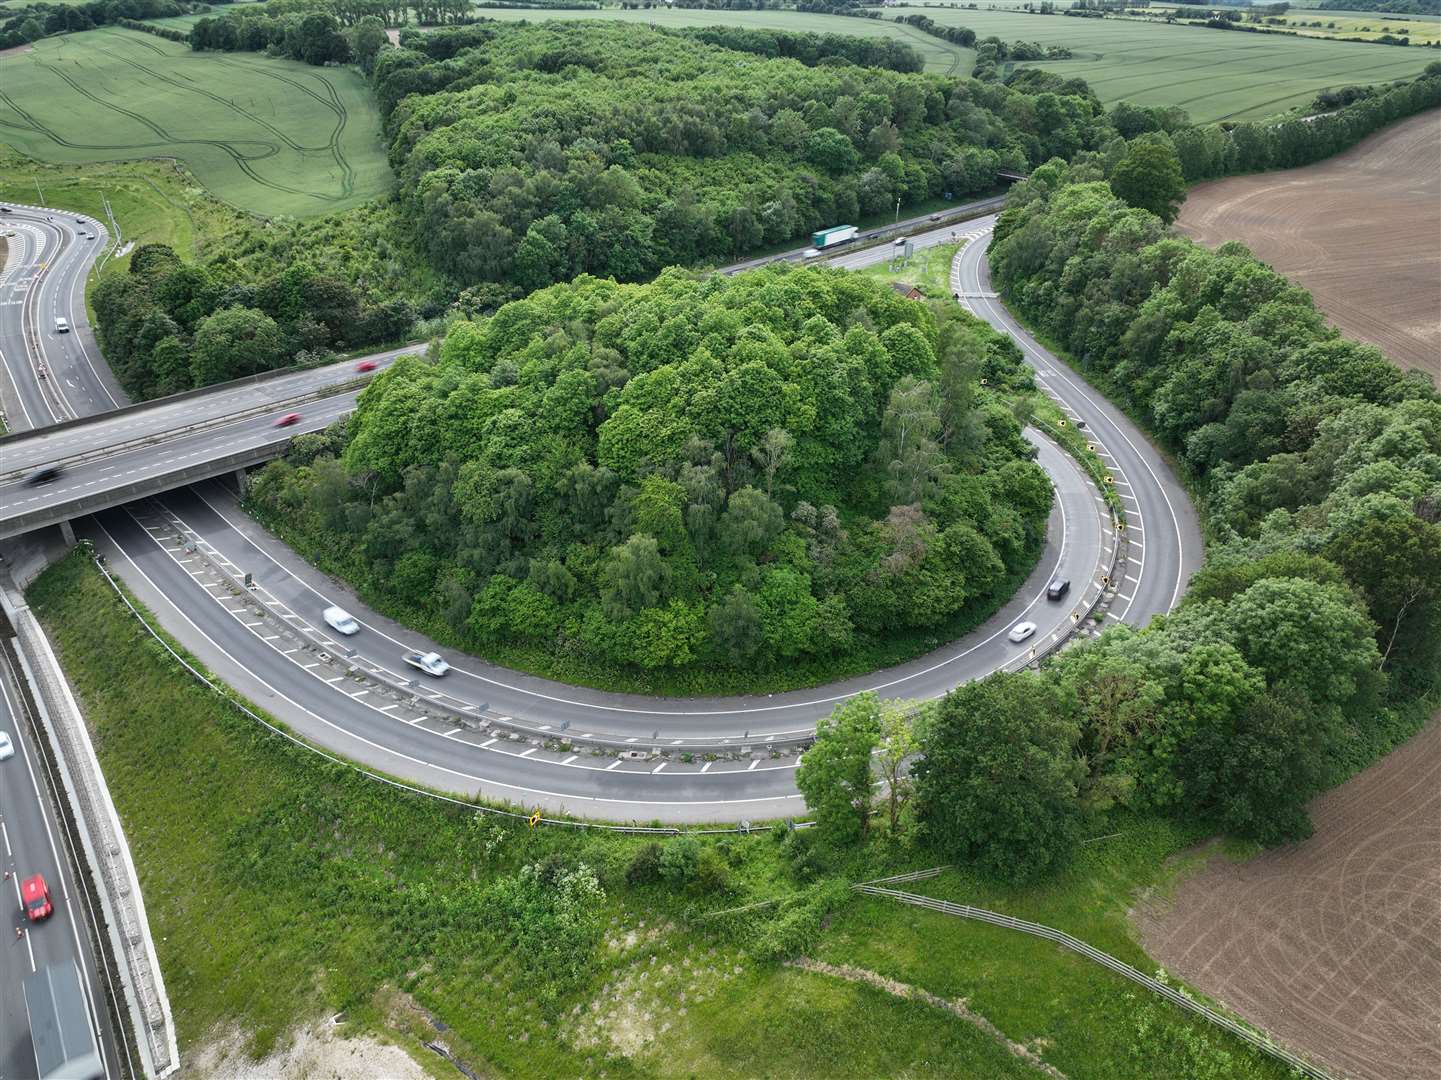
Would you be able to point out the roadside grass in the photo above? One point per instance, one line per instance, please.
(155, 202)
(268, 136)
(281, 888)
(928, 270)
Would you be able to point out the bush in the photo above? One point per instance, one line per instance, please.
(644, 868)
(551, 912)
(679, 861)
(712, 873)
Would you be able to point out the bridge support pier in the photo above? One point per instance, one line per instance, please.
(242, 482)
(67, 533)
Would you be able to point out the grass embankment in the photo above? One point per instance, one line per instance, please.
(265, 135)
(281, 888)
(928, 270)
(154, 202)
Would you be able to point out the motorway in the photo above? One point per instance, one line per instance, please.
(45, 378)
(508, 735)
(33, 842)
(50, 377)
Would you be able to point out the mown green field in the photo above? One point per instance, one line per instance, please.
(281, 889)
(1213, 74)
(268, 136)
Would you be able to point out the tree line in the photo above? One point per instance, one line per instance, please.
(1310, 641)
(27, 23)
(991, 52)
(703, 472)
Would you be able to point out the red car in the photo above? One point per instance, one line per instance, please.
(36, 898)
(288, 419)
(366, 365)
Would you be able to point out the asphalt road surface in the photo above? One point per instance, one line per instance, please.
(1162, 527)
(367, 706)
(32, 842)
(44, 277)
(52, 376)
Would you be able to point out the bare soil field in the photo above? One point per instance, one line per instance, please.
(1362, 231)
(1333, 945)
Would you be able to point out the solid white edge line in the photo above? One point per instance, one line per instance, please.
(417, 761)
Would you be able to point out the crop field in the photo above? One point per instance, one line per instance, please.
(268, 136)
(1212, 74)
(1331, 943)
(1377, 274)
(1364, 24)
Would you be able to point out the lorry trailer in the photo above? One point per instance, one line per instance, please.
(838, 234)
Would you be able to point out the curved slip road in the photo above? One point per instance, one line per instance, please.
(45, 376)
(361, 706)
(1162, 530)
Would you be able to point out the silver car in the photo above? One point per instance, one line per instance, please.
(1021, 631)
(340, 620)
(430, 663)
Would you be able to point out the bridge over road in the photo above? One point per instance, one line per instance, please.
(143, 450)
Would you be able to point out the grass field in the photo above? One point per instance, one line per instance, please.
(1212, 74)
(267, 136)
(154, 202)
(280, 889)
(1345, 24)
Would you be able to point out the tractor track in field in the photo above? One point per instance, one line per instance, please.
(242, 152)
(240, 158)
(929, 41)
(329, 100)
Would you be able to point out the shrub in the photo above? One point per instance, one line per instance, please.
(680, 860)
(644, 868)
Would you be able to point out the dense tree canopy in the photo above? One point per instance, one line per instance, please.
(168, 325)
(998, 783)
(539, 152)
(730, 471)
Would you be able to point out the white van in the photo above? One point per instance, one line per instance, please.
(61, 326)
(341, 621)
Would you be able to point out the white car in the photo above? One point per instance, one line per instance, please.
(340, 620)
(430, 663)
(7, 748)
(1021, 631)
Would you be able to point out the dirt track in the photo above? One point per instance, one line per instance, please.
(1333, 945)
(1362, 231)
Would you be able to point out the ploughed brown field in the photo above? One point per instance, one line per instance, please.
(1361, 231)
(1332, 945)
